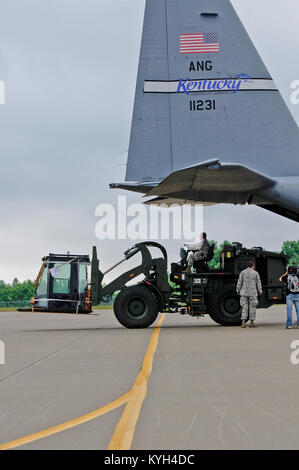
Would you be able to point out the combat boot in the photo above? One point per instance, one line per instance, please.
(252, 324)
(187, 270)
(243, 324)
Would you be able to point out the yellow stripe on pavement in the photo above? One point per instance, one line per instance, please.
(68, 424)
(125, 429)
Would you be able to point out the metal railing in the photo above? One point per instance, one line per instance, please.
(14, 303)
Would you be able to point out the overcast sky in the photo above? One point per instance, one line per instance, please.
(64, 133)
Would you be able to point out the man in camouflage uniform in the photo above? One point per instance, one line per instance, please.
(200, 249)
(249, 287)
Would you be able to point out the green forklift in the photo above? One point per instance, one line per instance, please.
(74, 284)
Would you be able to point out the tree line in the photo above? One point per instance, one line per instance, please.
(16, 291)
(23, 291)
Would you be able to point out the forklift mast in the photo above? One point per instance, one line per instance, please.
(100, 292)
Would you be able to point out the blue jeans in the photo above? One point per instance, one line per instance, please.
(292, 299)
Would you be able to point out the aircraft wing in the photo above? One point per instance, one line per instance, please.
(212, 176)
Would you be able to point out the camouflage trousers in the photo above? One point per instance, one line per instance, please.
(198, 255)
(249, 305)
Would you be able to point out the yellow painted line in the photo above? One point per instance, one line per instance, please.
(137, 393)
(125, 429)
(68, 424)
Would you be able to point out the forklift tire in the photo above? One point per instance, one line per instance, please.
(136, 307)
(225, 308)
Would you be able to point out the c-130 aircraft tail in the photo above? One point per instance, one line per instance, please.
(209, 124)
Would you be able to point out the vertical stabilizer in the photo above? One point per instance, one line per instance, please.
(203, 92)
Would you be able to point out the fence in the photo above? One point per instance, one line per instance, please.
(14, 303)
(26, 303)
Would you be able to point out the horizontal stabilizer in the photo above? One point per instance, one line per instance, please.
(136, 187)
(213, 176)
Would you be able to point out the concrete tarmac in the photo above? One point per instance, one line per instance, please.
(210, 388)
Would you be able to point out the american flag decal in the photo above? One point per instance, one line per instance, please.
(201, 43)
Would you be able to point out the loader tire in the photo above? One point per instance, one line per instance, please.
(136, 307)
(225, 308)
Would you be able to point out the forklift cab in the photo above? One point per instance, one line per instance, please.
(62, 284)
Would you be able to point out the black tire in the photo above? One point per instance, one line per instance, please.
(136, 307)
(225, 308)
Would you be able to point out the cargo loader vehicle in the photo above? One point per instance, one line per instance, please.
(75, 283)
